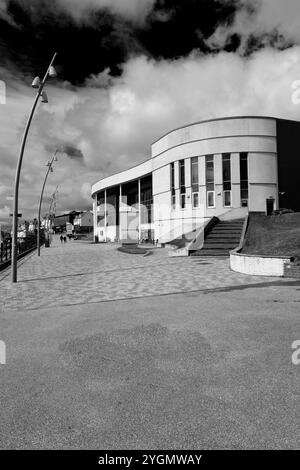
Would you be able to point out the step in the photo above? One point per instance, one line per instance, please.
(211, 253)
(229, 222)
(222, 242)
(227, 227)
(222, 235)
(237, 221)
(225, 232)
(239, 224)
(219, 246)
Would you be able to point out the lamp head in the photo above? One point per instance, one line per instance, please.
(44, 97)
(36, 82)
(52, 72)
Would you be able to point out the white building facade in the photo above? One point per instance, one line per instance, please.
(222, 167)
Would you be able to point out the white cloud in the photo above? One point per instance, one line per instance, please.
(284, 15)
(4, 213)
(135, 10)
(132, 9)
(115, 125)
(3, 12)
(262, 17)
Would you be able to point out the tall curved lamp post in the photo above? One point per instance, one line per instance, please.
(39, 85)
(50, 169)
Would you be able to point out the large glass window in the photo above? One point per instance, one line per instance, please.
(244, 178)
(100, 209)
(100, 199)
(146, 200)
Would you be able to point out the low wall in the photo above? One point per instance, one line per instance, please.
(257, 265)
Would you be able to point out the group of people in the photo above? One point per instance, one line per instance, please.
(63, 239)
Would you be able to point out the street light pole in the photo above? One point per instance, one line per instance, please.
(49, 164)
(40, 92)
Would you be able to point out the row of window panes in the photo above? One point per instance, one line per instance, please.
(209, 170)
(210, 199)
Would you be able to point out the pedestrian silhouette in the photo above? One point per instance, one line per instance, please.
(65, 239)
(61, 239)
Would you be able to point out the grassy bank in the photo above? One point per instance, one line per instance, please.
(273, 235)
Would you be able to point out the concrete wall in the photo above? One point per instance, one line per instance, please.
(263, 180)
(257, 265)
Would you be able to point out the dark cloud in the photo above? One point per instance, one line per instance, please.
(72, 152)
(104, 39)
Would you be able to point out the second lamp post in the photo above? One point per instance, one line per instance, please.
(49, 169)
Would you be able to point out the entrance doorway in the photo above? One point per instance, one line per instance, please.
(270, 206)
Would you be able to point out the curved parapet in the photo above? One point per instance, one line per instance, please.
(258, 265)
(125, 176)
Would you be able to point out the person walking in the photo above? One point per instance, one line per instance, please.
(61, 239)
(65, 239)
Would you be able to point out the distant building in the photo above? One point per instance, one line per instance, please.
(83, 222)
(222, 167)
(60, 221)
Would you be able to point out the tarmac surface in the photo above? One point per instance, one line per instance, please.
(95, 366)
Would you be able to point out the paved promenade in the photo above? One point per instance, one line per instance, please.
(206, 365)
(81, 272)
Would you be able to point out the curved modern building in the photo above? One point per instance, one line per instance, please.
(222, 167)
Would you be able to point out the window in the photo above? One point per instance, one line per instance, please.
(194, 175)
(172, 175)
(226, 172)
(172, 179)
(244, 178)
(195, 200)
(181, 177)
(182, 183)
(209, 173)
(210, 181)
(226, 167)
(195, 182)
(210, 199)
(227, 198)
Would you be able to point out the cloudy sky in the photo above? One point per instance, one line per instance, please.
(129, 71)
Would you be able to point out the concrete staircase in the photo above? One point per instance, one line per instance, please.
(224, 237)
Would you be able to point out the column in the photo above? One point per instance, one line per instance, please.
(120, 214)
(95, 215)
(105, 216)
(139, 203)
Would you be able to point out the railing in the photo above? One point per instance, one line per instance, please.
(24, 245)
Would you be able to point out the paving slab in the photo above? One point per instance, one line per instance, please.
(82, 272)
